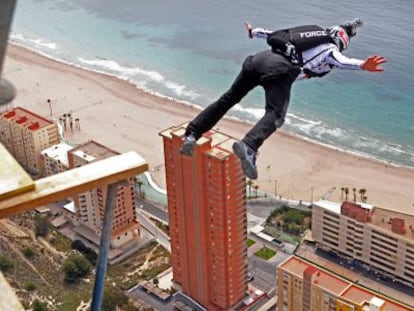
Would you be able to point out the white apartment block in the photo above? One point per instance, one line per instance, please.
(55, 159)
(379, 238)
(25, 134)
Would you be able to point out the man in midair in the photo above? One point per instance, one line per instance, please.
(275, 70)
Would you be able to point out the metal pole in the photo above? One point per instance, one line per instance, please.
(101, 265)
(7, 91)
(275, 188)
(311, 195)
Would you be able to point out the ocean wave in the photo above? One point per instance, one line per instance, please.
(335, 137)
(253, 113)
(18, 37)
(123, 71)
(351, 141)
(135, 75)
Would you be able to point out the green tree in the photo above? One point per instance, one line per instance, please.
(346, 189)
(362, 193)
(139, 184)
(156, 281)
(256, 188)
(5, 264)
(75, 267)
(78, 245)
(250, 184)
(293, 216)
(39, 306)
(113, 298)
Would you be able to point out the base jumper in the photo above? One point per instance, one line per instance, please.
(275, 70)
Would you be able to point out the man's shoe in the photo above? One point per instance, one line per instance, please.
(247, 157)
(188, 146)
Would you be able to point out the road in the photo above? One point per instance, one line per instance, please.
(143, 215)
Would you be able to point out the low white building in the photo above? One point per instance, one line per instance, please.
(55, 159)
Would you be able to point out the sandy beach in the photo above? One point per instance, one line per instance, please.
(122, 117)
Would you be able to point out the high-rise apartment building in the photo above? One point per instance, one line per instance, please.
(25, 134)
(55, 159)
(89, 210)
(207, 219)
(303, 286)
(379, 238)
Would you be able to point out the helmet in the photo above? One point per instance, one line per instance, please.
(340, 37)
(343, 33)
(351, 26)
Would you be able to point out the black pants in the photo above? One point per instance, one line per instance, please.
(271, 71)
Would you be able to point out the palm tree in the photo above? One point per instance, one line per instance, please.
(365, 199)
(256, 187)
(354, 191)
(362, 193)
(139, 184)
(346, 193)
(250, 184)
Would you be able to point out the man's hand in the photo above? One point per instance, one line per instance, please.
(373, 63)
(249, 28)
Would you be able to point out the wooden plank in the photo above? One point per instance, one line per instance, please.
(72, 182)
(8, 299)
(13, 178)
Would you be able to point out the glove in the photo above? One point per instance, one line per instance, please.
(373, 63)
(249, 28)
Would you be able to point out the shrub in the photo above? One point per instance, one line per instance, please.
(113, 298)
(293, 216)
(28, 252)
(39, 306)
(88, 252)
(78, 245)
(76, 266)
(5, 264)
(30, 286)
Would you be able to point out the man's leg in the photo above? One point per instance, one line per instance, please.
(277, 100)
(245, 81)
(277, 94)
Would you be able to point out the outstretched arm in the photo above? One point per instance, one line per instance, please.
(256, 32)
(249, 29)
(373, 63)
(339, 60)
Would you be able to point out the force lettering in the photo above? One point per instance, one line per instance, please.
(310, 34)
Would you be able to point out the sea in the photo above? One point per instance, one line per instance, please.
(191, 51)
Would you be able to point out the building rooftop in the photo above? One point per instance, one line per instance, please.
(27, 118)
(92, 150)
(58, 152)
(335, 207)
(389, 220)
(220, 142)
(340, 287)
(384, 219)
(325, 280)
(364, 297)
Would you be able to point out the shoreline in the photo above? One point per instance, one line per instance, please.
(92, 90)
(191, 105)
